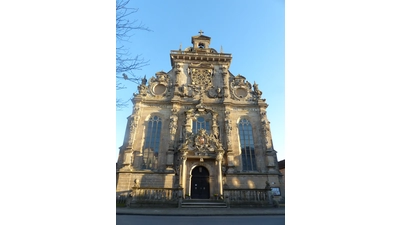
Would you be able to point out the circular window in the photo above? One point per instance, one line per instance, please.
(241, 92)
(159, 89)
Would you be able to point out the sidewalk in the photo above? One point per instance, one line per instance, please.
(201, 211)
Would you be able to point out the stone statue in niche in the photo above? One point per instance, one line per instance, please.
(173, 125)
(215, 132)
(228, 127)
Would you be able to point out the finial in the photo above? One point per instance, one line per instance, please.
(201, 32)
(222, 51)
(180, 47)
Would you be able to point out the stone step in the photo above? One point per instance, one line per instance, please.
(203, 204)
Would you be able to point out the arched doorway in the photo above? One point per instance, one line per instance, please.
(200, 186)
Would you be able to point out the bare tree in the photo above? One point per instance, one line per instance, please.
(126, 65)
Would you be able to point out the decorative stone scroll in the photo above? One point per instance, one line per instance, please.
(160, 85)
(240, 89)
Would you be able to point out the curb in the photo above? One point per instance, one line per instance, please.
(179, 212)
(144, 214)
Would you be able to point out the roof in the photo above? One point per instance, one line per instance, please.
(281, 164)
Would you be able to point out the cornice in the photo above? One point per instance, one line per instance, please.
(179, 56)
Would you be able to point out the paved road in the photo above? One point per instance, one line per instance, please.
(200, 220)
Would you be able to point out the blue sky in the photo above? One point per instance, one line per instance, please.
(252, 31)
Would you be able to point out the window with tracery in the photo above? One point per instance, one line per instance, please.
(200, 123)
(202, 77)
(247, 146)
(152, 143)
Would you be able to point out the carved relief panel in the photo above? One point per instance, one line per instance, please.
(202, 77)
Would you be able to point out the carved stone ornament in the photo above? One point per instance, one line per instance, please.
(201, 144)
(242, 89)
(215, 92)
(186, 91)
(239, 88)
(159, 86)
(256, 92)
(202, 77)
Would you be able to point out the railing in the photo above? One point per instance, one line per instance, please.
(121, 200)
(256, 197)
(203, 53)
(158, 194)
(151, 196)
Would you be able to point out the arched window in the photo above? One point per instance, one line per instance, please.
(152, 143)
(200, 123)
(247, 146)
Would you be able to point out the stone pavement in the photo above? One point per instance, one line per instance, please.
(200, 211)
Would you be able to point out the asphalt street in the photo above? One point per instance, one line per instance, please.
(200, 220)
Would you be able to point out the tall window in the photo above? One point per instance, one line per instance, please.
(200, 123)
(247, 146)
(152, 143)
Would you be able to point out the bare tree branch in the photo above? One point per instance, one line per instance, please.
(125, 64)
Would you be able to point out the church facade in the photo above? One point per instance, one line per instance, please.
(198, 132)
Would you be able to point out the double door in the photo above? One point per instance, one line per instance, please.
(200, 185)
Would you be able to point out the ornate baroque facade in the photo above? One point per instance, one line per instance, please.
(198, 129)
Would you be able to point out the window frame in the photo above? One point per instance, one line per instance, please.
(246, 141)
(152, 141)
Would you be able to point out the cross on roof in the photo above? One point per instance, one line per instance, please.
(201, 32)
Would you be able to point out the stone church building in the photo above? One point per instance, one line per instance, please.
(198, 132)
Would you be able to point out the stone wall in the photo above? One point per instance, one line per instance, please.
(155, 180)
(250, 181)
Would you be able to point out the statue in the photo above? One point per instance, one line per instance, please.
(144, 80)
(228, 127)
(267, 186)
(173, 124)
(257, 92)
(215, 132)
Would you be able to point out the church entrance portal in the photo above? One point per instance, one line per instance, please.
(200, 186)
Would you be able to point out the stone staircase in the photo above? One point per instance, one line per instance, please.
(203, 203)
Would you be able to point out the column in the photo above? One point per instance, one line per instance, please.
(219, 160)
(183, 173)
